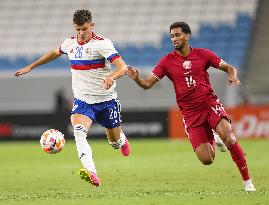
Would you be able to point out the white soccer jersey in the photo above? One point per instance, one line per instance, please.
(90, 65)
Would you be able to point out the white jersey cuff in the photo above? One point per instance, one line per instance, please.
(155, 76)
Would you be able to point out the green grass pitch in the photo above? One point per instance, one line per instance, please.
(158, 172)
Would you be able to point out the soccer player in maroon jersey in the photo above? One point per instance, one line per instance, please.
(187, 68)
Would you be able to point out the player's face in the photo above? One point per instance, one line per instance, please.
(179, 38)
(84, 32)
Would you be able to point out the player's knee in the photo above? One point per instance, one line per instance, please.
(80, 131)
(205, 153)
(206, 158)
(207, 161)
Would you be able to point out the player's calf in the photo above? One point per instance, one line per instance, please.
(122, 144)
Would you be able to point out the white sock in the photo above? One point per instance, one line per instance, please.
(120, 142)
(83, 148)
(122, 139)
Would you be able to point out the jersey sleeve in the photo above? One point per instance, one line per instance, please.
(212, 59)
(64, 46)
(159, 70)
(107, 50)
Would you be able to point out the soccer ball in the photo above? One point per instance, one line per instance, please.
(52, 141)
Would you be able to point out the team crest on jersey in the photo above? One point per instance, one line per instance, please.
(88, 51)
(187, 65)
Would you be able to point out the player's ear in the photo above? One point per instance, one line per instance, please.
(92, 24)
(188, 36)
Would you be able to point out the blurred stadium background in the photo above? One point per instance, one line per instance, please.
(237, 30)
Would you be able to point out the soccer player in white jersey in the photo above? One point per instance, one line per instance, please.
(93, 84)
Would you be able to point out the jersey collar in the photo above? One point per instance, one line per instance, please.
(80, 43)
(175, 53)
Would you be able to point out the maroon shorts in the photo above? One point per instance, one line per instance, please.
(199, 127)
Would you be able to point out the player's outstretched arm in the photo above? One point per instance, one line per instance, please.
(232, 74)
(143, 83)
(121, 69)
(49, 56)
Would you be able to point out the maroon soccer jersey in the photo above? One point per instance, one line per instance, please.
(190, 77)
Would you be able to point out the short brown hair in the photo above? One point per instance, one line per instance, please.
(81, 17)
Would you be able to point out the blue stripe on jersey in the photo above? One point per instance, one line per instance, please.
(112, 56)
(87, 62)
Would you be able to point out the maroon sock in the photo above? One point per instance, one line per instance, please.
(239, 159)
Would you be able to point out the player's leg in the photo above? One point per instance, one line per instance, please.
(224, 129)
(110, 118)
(117, 139)
(220, 144)
(205, 153)
(219, 121)
(203, 143)
(225, 132)
(81, 122)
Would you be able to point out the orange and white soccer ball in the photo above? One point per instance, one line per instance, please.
(52, 141)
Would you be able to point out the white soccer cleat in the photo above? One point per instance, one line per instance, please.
(221, 146)
(249, 186)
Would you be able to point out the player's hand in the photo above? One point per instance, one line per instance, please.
(108, 82)
(233, 80)
(22, 71)
(132, 73)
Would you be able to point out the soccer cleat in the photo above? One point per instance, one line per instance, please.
(249, 186)
(89, 177)
(125, 149)
(221, 146)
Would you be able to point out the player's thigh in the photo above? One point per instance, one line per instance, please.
(199, 135)
(81, 119)
(82, 113)
(202, 140)
(110, 117)
(216, 114)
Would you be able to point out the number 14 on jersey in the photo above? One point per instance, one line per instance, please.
(190, 81)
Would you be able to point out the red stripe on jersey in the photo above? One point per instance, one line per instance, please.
(88, 67)
(112, 59)
(95, 37)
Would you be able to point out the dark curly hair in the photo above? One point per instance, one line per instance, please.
(81, 17)
(184, 27)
